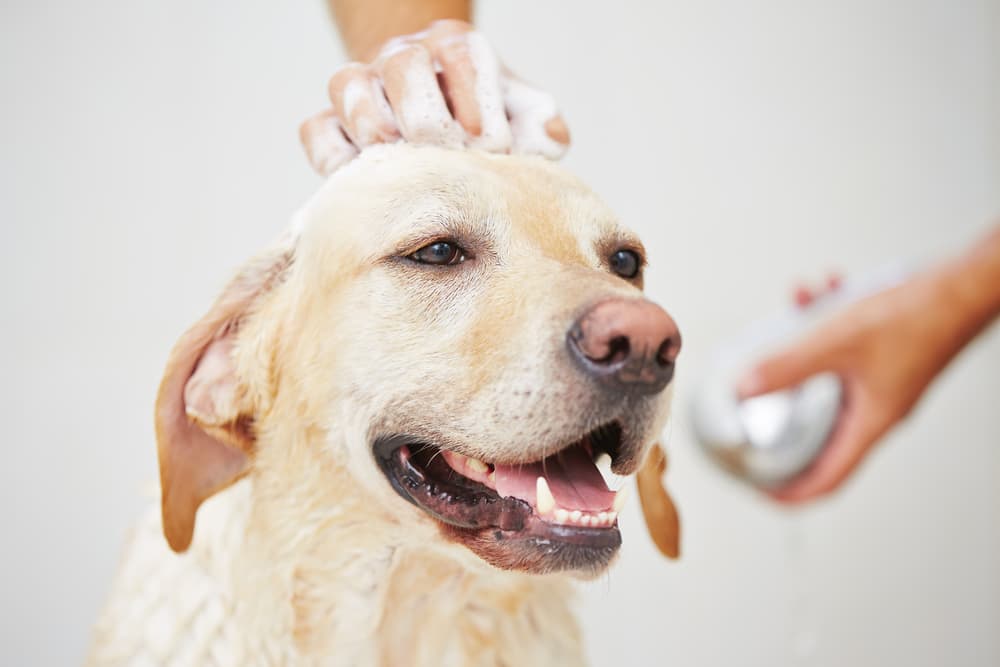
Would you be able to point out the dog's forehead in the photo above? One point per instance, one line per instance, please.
(394, 191)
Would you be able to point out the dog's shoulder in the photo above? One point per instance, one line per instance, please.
(168, 608)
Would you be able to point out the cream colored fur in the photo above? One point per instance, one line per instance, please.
(311, 558)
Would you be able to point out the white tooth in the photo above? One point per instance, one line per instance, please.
(587, 520)
(543, 496)
(603, 517)
(575, 515)
(492, 477)
(455, 460)
(603, 463)
(620, 500)
(562, 516)
(476, 465)
(611, 517)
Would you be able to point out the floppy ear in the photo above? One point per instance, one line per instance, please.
(204, 423)
(658, 509)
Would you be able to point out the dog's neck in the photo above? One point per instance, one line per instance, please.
(351, 587)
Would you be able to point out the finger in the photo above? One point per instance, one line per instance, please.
(535, 122)
(361, 106)
(326, 145)
(411, 85)
(853, 437)
(789, 367)
(472, 85)
(803, 296)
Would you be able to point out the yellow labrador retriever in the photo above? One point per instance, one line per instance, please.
(390, 428)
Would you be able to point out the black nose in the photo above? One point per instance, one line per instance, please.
(630, 344)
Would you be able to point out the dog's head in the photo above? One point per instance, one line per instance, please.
(467, 336)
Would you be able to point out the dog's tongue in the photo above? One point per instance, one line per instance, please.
(574, 480)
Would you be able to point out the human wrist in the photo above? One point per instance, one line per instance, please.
(366, 25)
(968, 290)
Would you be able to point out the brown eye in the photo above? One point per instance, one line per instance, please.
(440, 253)
(625, 263)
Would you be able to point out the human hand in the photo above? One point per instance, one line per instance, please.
(442, 86)
(886, 349)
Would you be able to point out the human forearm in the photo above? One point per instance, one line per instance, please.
(366, 24)
(970, 288)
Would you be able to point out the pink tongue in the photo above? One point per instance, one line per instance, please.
(574, 480)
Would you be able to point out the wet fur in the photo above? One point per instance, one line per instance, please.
(309, 557)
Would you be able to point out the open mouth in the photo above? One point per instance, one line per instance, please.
(560, 505)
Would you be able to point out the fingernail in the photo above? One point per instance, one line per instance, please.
(803, 296)
(557, 130)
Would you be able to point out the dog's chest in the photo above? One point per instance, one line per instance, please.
(362, 604)
(413, 607)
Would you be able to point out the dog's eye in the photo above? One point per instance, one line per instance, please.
(440, 253)
(625, 263)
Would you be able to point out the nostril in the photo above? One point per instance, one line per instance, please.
(667, 353)
(618, 350)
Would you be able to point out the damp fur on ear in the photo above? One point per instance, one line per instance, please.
(204, 421)
(658, 508)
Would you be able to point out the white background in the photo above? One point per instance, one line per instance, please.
(147, 148)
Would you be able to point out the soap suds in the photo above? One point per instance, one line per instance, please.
(530, 109)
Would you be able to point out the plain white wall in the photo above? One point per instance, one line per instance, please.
(146, 149)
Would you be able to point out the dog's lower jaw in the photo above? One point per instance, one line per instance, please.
(255, 590)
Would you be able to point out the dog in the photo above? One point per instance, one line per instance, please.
(390, 427)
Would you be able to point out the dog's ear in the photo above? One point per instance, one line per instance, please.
(657, 506)
(204, 423)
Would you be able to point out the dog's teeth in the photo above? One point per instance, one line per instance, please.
(603, 464)
(603, 517)
(619, 503)
(455, 459)
(476, 465)
(575, 515)
(612, 516)
(543, 496)
(562, 516)
(492, 478)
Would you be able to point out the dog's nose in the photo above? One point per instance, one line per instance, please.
(631, 344)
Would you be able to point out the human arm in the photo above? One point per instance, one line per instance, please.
(887, 349)
(365, 25)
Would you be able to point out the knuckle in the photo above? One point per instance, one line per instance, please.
(306, 131)
(403, 54)
(314, 125)
(452, 50)
(449, 27)
(344, 75)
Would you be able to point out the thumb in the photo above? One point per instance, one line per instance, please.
(786, 368)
